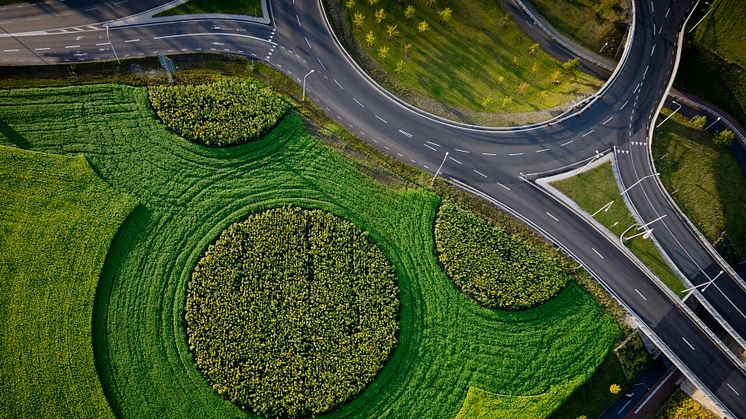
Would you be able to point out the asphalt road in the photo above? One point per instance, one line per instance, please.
(497, 164)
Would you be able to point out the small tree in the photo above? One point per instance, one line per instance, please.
(409, 12)
(698, 122)
(370, 38)
(372, 2)
(391, 31)
(431, 3)
(407, 49)
(500, 79)
(399, 66)
(571, 66)
(522, 88)
(350, 4)
(486, 101)
(724, 138)
(614, 389)
(507, 101)
(383, 52)
(422, 27)
(380, 15)
(555, 77)
(543, 95)
(358, 19)
(445, 14)
(534, 68)
(533, 48)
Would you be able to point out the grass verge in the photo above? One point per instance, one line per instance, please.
(53, 242)
(190, 193)
(595, 188)
(680, 405)
(232, 7)
(501, 77)
(592, 23)
(706, 182)
(713, 63)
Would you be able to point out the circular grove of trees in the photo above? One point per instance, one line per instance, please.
(292, 312)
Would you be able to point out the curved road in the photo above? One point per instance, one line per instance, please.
(497, 164)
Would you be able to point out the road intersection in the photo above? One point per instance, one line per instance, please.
(498, 164)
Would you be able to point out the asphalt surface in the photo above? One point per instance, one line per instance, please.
(497, 164)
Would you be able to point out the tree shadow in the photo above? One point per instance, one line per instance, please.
(14, 136)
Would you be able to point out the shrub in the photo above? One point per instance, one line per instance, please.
(291, 312)
(218, 114)
(492, 267)
(724, 138)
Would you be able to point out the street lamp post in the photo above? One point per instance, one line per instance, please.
(437, 172)
(304, 84)
(646, 234)
(700, 21)
(640, 180)
(704, 286)
(715, 122)
(672, 113)
(114, 50)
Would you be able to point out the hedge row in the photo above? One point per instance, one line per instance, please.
(492, 267)
(218, 114)
(291, 312)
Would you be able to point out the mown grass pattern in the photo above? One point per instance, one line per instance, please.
(490, 266)
(53, 243)
(190, 193)
(221, 113)
(291, 312)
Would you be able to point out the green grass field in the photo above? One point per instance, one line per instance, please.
(53, 242)
(190, 193)
(233, 7)
(590, 22)
(723, 30)
(475, 63)
(708, 183)
(594, 189)
(713, 64)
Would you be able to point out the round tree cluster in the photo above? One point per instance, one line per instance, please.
(221, 113)
(492, 267)
(292, 312)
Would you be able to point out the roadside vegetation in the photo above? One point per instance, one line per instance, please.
(233, 7)
(220, 113)
(462, 60)
(490, 266)
(681, 406)
(53, 241)
(598, 25)
(277, 284)
(594, 189)
(713, 62)
(706, 182)
(190, 193)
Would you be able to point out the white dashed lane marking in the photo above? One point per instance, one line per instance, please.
(479, 173)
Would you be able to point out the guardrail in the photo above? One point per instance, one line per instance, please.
(641, 324)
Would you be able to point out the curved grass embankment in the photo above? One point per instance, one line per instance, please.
(190, 193)
(57, 221)
(477, 65)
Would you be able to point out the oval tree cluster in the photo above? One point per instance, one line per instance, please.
(221, 113)
(492, 267)
(291, 312)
